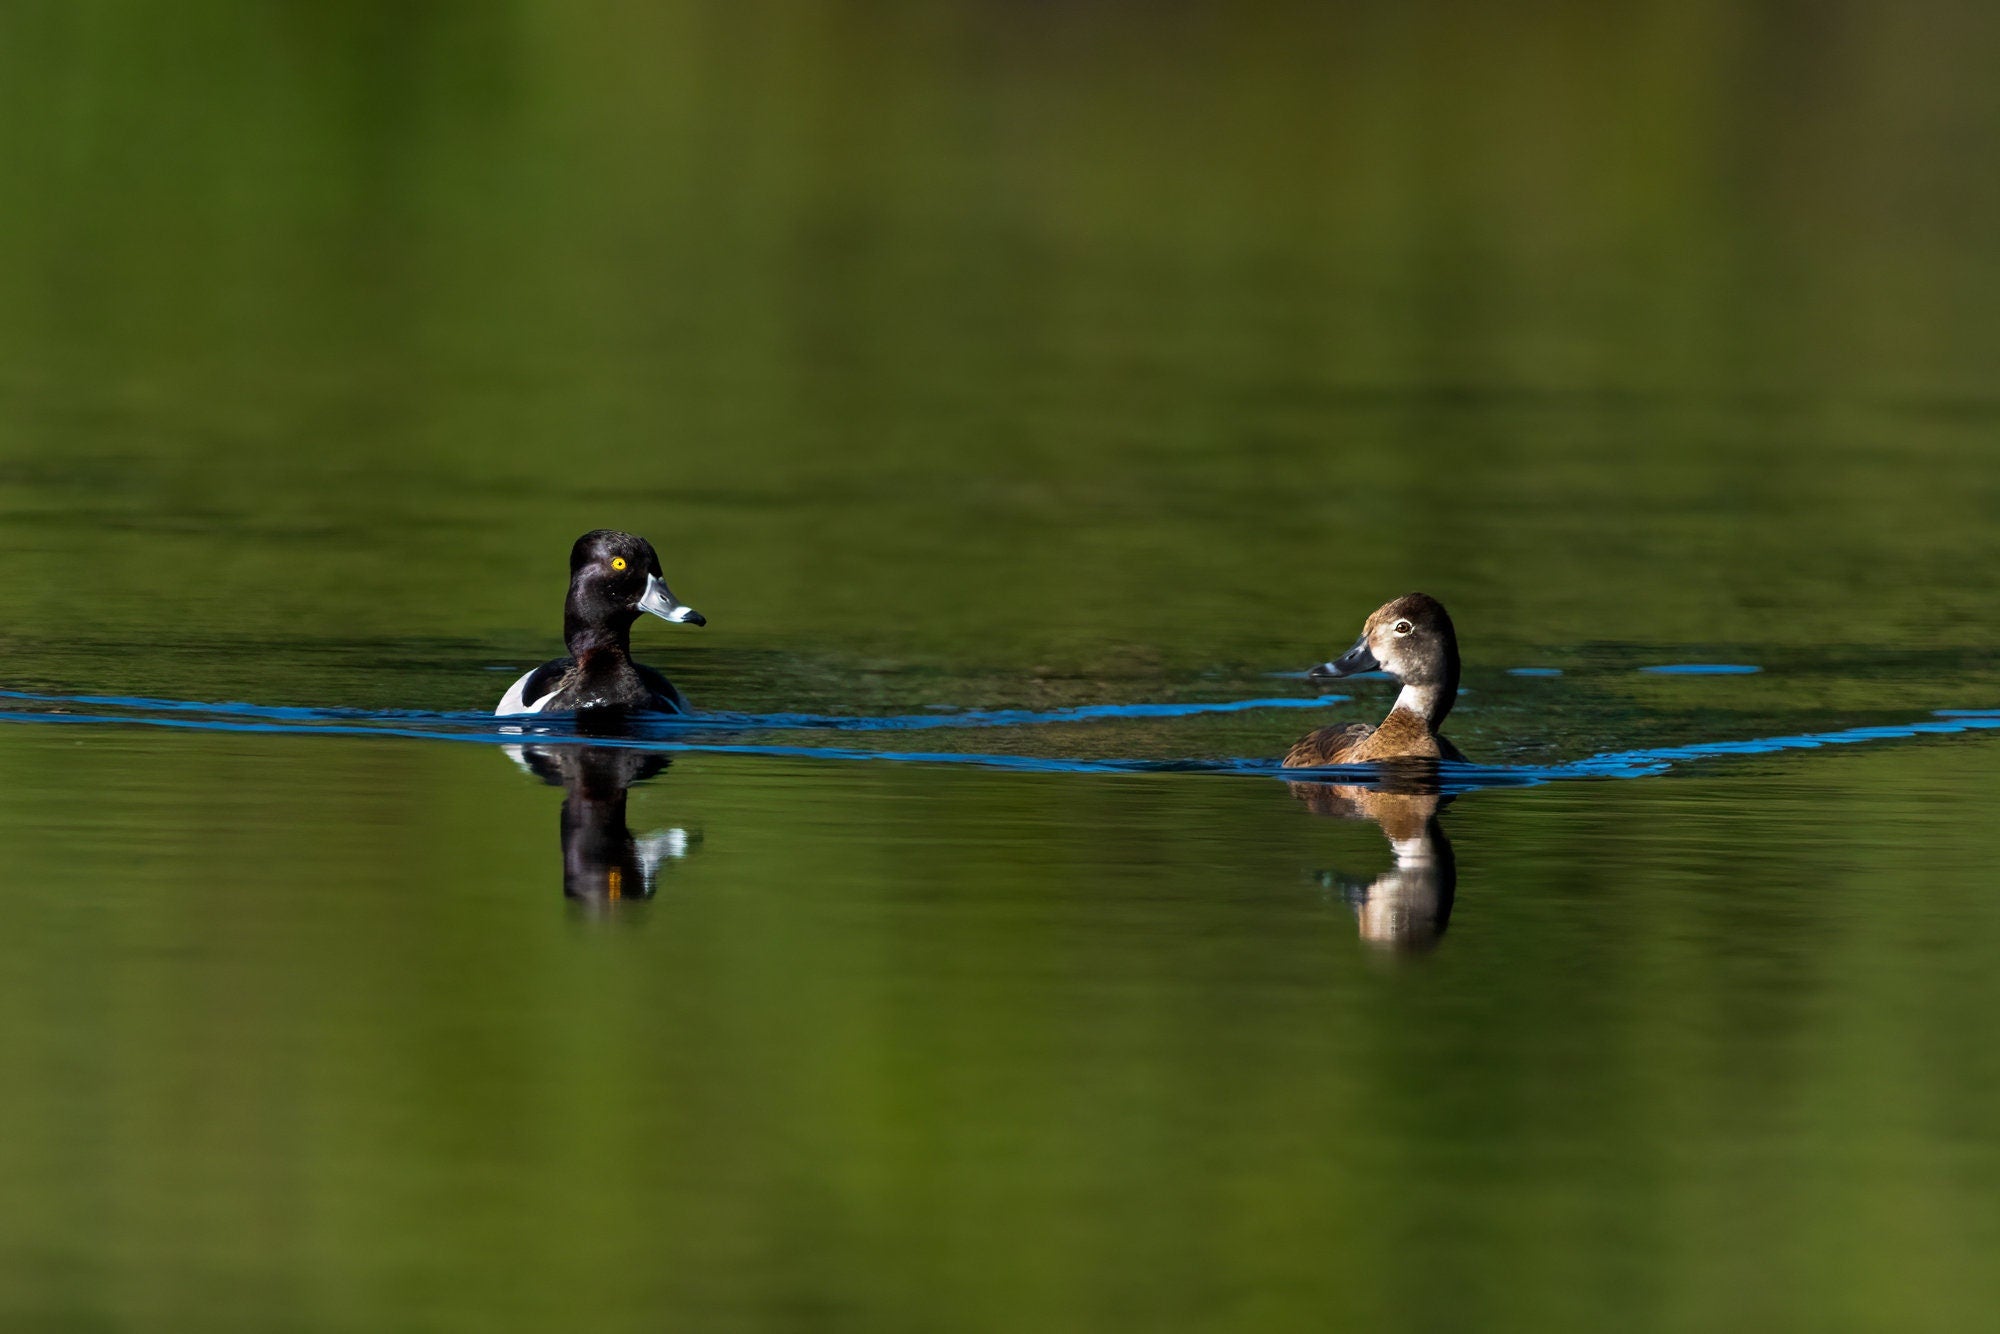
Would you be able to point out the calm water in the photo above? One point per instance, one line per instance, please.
(985, 372)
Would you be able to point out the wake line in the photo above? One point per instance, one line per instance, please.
(1452, 778)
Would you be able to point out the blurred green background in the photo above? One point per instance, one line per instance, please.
(976, 354)
(1058, 330)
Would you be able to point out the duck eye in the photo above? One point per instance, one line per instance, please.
(1402, 627)
(617, 562)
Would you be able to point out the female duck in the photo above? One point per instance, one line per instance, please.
(613, 577)
(1412, 640)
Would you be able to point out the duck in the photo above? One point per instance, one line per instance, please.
(613, 576)
(1410, 638)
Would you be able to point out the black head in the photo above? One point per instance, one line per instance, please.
(614, 576)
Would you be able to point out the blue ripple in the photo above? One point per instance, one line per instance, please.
(1703, 669)
(482, 728)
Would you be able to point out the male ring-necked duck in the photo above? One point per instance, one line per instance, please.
(1412, 640)
(613, 577)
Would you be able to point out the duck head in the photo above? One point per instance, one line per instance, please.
(1412, 640)
(613, 577)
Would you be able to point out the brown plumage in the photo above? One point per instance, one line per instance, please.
(1412, 640)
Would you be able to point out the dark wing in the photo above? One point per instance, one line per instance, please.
(666, 695)
(1447, 751)
(545, 678)
(522, 696)
(1327, 745)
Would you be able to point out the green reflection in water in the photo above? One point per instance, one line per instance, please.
(317, 1034)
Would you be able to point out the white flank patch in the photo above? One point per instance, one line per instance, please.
(515, 701)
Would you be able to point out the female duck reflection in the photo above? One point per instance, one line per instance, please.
(603, 862)
(1408, 906)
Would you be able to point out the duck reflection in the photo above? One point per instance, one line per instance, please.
(1407, 907)
(603, 863)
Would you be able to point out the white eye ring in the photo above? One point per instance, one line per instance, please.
(1402, 627)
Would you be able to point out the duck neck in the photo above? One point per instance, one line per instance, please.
(593, 636)
(1430, 700)
(596, 846)
(1426, 848)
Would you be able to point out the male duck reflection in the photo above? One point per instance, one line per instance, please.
(1412, 640)
(613, 577)
(603, 862)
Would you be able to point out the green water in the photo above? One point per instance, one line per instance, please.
(1000, 356)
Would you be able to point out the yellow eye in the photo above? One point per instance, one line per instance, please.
(617, 562)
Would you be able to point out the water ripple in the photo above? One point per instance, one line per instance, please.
(1703, 669)
(699, 734)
